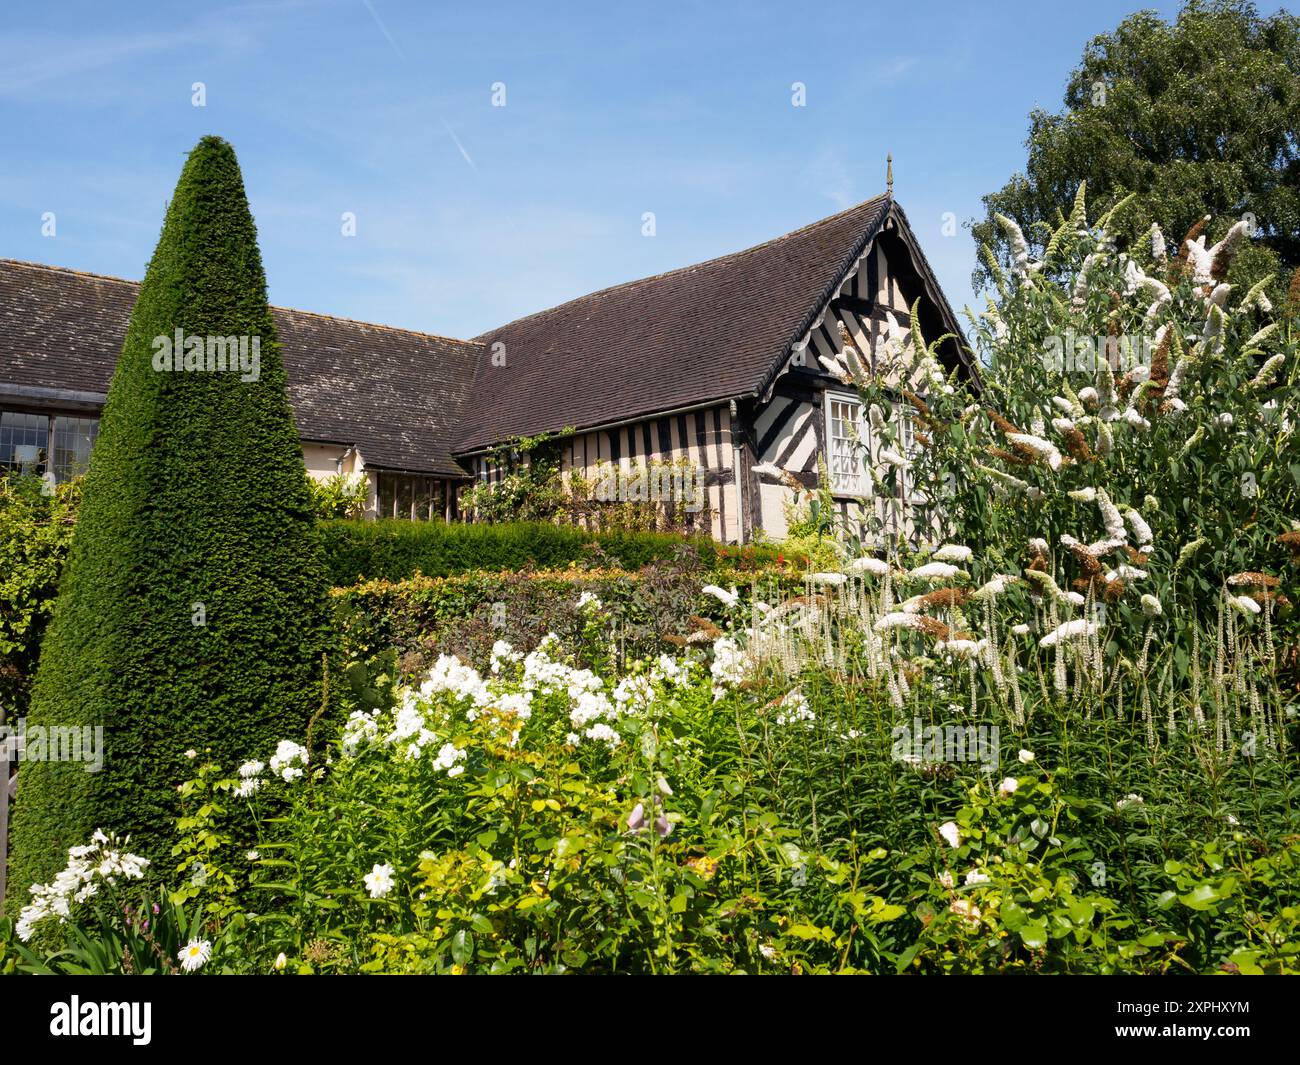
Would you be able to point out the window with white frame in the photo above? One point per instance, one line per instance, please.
(846, 445)
(904, 423)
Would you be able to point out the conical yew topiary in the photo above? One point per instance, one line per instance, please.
(194, 609)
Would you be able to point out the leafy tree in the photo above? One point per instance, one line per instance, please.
(193, 612)
(1196, 118)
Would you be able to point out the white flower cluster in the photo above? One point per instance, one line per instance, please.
(451, 675)
(502, 652)
(516, 682)
(450, 760)
(730, 665)
(794, 707)
(289, 761)
(249, 782)
(100, 861)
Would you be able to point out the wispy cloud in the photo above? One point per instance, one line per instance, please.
(456, 140)
(32, 61)
(45, 66)
(829, 177)
(384, 30)
(892, 70)
(402, 55)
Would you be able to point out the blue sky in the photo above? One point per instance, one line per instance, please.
(469, 215)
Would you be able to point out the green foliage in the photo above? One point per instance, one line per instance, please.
(529, 490)
(406, 624)
(194, 609)
(531, 487)
(35, 534)
(813, 524)
(1195, 117)
(1014, 895)
(1232, 903)
(393, 549)
(451, 834)
(342, 495)
(122, 934)
(1176, 432)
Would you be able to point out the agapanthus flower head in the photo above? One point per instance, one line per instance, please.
(101, 861)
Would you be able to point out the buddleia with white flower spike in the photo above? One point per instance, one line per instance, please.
(1257, 298)
(1158, 252)
(1140, 529)
(1268, 373)
(1111, 517)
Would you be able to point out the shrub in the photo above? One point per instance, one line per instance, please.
(194, 607)
(35, 534)
(342, 495)
(643, 612)
(537, 816)
(1135, 441)
(393, 549)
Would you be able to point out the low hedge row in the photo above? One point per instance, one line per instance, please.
(394, 549)
(408, 623)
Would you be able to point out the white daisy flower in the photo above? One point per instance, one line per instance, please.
(195, 954)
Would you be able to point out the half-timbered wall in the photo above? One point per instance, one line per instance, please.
(701, 437)
(790, 430)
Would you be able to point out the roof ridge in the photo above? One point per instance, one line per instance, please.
(690, 266)
(66, 270)
(274, 306)
(375, 325)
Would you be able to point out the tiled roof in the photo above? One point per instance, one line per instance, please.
(395, 394)
(712, 331)
(411, 401)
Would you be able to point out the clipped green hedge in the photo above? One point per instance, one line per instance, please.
(394, 549)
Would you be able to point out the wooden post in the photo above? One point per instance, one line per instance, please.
(4, 819)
